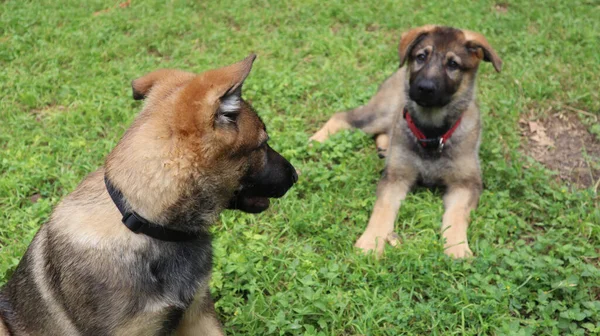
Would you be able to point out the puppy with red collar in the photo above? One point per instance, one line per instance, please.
(427, 115)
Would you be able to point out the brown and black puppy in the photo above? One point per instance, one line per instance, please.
(129, 251)
(427, 115)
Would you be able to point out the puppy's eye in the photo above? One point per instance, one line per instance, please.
(421, 57)
(228, 117)
(262, 145)
(452, 65)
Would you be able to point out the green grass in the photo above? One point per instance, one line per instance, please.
(65, 100)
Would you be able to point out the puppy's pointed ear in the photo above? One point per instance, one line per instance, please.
(142, 86)
(229, 89)
(482, 49)
(233, 76)
(409, 39)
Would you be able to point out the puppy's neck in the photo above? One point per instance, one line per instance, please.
(430, 117)
(434, 120)
(160, 182)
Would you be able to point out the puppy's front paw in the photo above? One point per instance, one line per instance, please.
(381, 152)
(376, 242)
(383, 143)
(320, 136)
(369, 243)
(459, 251)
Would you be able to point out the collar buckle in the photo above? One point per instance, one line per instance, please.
(139, 225)
(133, 221)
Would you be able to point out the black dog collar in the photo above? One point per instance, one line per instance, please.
(139, 224)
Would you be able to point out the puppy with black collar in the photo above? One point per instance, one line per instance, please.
(129, 251)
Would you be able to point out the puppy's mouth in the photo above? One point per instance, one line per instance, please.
(428, 103)
(273, 181)
(249, 203)
(423, 103)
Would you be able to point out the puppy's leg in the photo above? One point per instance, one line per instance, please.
(371, 118)
(338, 122)
(3, 329)
(382, 141)
(459, 201)
(376, 117)
(390, 193)
(200, 318)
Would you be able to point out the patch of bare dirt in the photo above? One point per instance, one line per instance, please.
(563, 144)
(34, 198)
(152, 50)
(533, 29)
(233, 24)
(47, 110)
(371, 27)
(122, 5)
(335, 28)
(501, 7)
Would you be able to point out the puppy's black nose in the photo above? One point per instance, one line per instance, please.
(426, 87)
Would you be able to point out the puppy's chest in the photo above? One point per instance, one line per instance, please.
(431, 171)
(171, 281)
(173, 273)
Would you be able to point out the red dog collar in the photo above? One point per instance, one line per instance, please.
(429, 143)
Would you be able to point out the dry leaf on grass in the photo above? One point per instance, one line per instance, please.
(542, 139)
(535, 127)
(538, 134)
(121, 5)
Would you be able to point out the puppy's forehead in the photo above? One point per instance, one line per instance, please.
(444, 39)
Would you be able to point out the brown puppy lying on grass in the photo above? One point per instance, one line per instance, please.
(129, 251)
(426, 113)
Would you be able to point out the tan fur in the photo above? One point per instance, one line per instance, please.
(41, 281)
(381, 225)
(143, 324)
(383, 105)
(200, 325)
(408, 38)
(459, 202)
(382, 141)
(3, 330)
(177, 155)
(106, 230)
(335, 124)
(170, 137)
(200, 317)
(481, 41)
(457, 168)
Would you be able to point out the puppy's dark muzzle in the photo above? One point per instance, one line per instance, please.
(273, 181)
(428, 93)
(277, 177)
